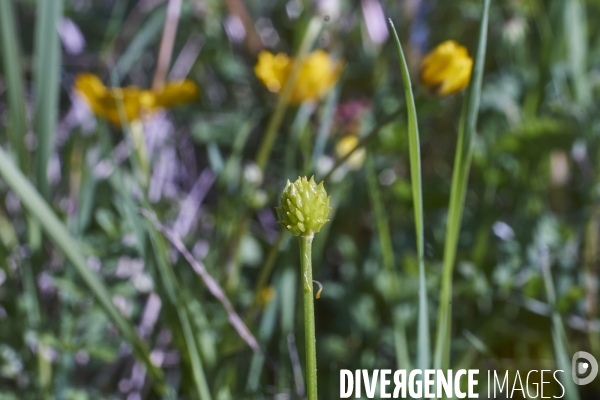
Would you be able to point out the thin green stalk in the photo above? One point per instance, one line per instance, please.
(400, 340)
(559, 335)
(592, 239)
(424, 350)
(327, 118)
(309, 316)
(460, 175)
(265, 273)
(266, 146)
(576, 38)
(16, 104)
(174, 295)
(383, 230)
(59, 234)
(387, 254)
(363, 141)
(34, 316)
(47, 85)
(194, 354)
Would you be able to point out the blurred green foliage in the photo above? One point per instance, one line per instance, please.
(533, 188)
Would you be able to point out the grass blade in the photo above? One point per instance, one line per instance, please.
(47, 84)
(145, 37)
(14, 82)
(17, 130)
(460, 174)
(58, 233)
(424, 350)
(576, 39)
(194, 354)
(559, 336)
(173, 291)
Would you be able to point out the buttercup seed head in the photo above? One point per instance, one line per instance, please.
(304, 207)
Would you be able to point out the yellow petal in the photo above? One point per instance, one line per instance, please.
(122, 100)
(105, 102)
(131, 102)
(175, 93)
(318, 74)
(447, 68)
(92, 90)
(345, 145)
(272, 70)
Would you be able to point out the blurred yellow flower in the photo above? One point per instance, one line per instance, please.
(318, 74)
(447, 68)
(105, 102)
(266, 295)
(345, 145)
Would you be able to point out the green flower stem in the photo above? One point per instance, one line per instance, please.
(309, 316)
(304, 207)
(266, 146)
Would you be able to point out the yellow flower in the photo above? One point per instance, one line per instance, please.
(266, 295)
(318, 74)
(105, 102)
(345, 145)
(447, 68)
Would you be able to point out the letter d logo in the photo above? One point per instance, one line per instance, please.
(579, 368)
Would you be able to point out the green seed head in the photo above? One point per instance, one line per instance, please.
(304, 207)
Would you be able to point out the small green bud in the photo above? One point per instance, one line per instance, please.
(304, 207)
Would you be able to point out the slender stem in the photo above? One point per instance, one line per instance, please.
(363, 141)
(265, 273)
(166, 44)
(309, 316)
(383, 231)
(266, 146)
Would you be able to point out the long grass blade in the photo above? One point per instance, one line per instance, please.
(194, 354)
(57, 232)
(17, 130)
(173, 291)
(146, 35)
(460, 174)
(424, 349)
(47, 85)
(559, 336)
(11, 60)
(576, 39)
